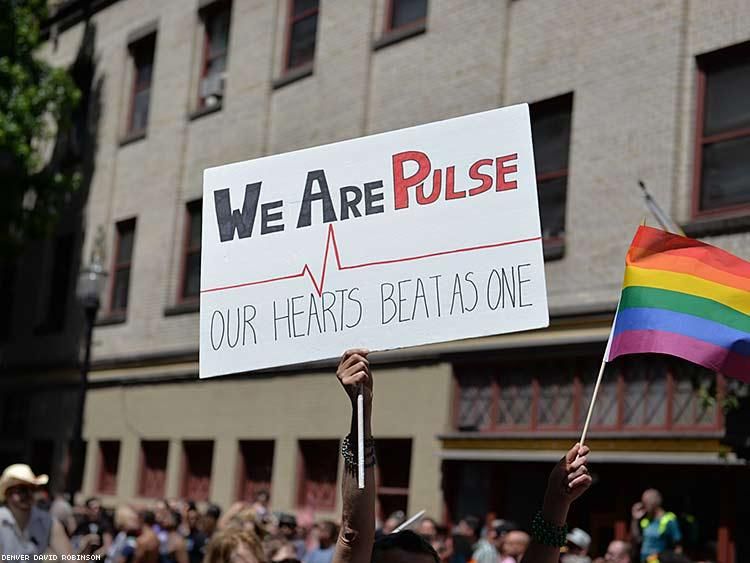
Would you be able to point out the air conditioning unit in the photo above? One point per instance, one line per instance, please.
(212, 88)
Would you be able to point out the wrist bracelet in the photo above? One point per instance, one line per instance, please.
(350, 455)
(546, 533)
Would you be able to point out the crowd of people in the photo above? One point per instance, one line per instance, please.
(181, 531)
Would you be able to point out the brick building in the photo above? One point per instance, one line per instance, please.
(618, 92)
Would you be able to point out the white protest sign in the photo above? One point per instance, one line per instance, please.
(427, 234)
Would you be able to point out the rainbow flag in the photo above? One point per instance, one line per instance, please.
(685, 298)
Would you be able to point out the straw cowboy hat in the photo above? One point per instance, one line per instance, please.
(19, 474)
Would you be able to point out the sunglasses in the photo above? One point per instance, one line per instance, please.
(21, 490)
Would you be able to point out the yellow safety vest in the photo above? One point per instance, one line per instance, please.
(663, 523)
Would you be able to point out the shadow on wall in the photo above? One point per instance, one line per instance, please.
(46, 322)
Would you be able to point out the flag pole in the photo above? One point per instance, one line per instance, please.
(593, 398)
(360, 437)
(653, 206)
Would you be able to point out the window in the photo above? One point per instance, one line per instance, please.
(405, 13)
(60, 280)
(550, 131)
(109, 459)
(301, 31)
(121, 267)
(636, 395)
(318, 473)
(74, 466)
(216, 19)
(142, 55)
(191, 268)
(196, 471)
(256, 467)
(153, 477)
(392, 475)
(722, 173)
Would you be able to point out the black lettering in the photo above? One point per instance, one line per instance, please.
(248, 322)
(266, 217)
(230, 220)
(229, 339)
(419, 294)
(313, 313)
(350, 205)
(476, 291)
(213, 317)
(324, 195)
(295, 314)
(494, 273)
(437, 291)
(509, 289)
(383, 299)
(359, 306)
(276, 319)
(371, 207)
(520, 284)
(327, 309)
(457, 291)
(400, 301)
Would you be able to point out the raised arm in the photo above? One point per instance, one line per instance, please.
(568, 480)
(354, 544)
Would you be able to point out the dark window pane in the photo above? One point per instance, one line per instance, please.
(194, 236)
(120, 290)
(475, 402)
(725, 178)
(727, 98)
(192, 274)
(216, 65)
(218, 33)
(550, 133)
(556, 398)
(143, 75)
(196, 479)
(319, 459)
(125, 251)
(153, 468)
(301, 6)
(139, 119)
(256, 457)
(406, 12)
(552, 206)
(607, 405)
(302, 41)
(516, 396)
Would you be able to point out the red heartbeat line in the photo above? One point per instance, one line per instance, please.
(331, 241)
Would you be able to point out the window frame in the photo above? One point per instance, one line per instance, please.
(388, 27)
(704, 64)
(116, 265)
(292, 19)
(141, 489)
(555, 243)
(207, 13)
(187, 250)
(581, 400)
(101, 472)
(133, 53)
(302, 473)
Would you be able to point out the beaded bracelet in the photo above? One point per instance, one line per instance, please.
(546, 533)
(350, 455)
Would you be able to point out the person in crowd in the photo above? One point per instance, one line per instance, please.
(63, 512)
(653, 527)
(210, 520)
(233, 545)
(174, 550)
(501, 530)
(288, 531)
(442, 543)
(356, 540)
(261, 503)
(394, 520)
(280, 550)
(618, 551)
(485, 550)
(94, 522)
(195, 539)
(24, 528)
(515, 544)
(577, 547)
(427, 528)
(327, 534)
(128, 526)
